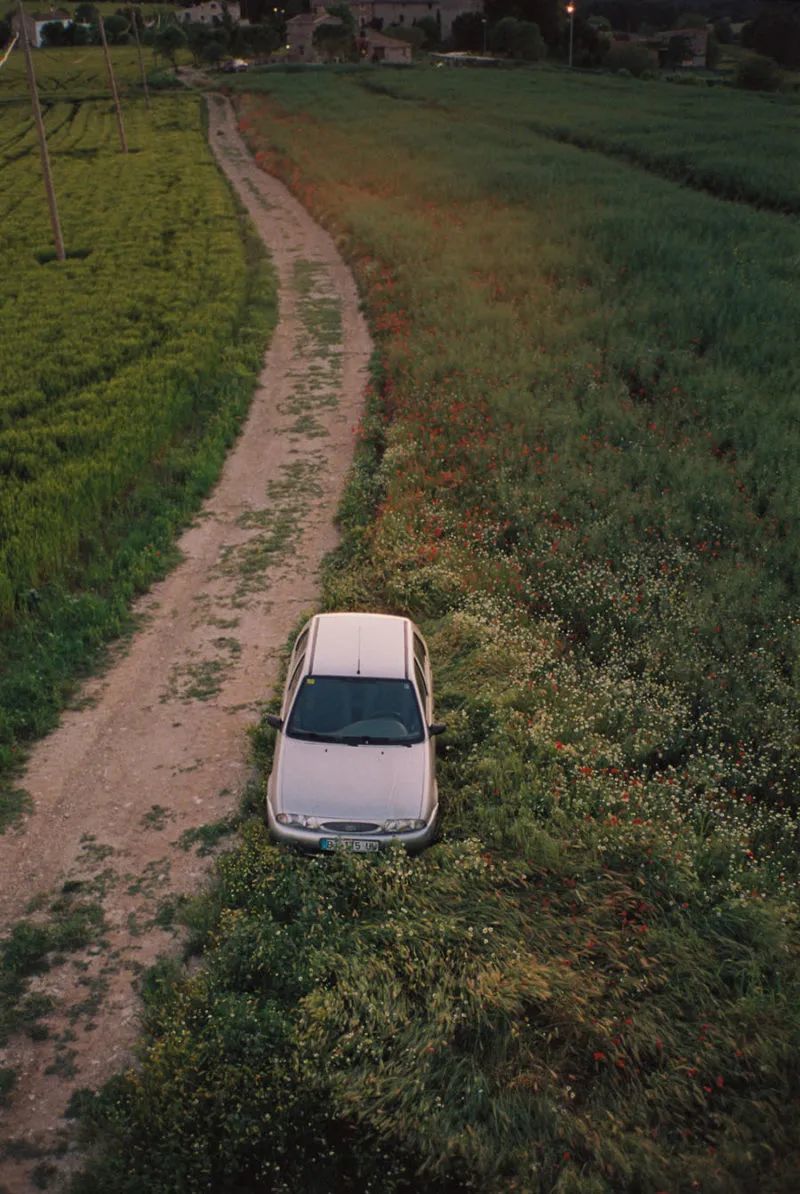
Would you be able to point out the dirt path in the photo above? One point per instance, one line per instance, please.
(161, 748)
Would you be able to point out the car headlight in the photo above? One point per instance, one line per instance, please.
(403, 825)
(298, 820)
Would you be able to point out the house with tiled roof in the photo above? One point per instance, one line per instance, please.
(377, 47)
(300, 32)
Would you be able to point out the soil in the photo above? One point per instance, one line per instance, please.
(158, 746)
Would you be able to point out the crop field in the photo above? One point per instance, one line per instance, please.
(72, 73)
(125, 371)
(578, 474)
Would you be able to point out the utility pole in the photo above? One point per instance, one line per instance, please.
(55, 223)
(120, 124)
(142, 71)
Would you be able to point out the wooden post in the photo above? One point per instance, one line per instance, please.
(58, 239)
(120, 123)
(141, 59)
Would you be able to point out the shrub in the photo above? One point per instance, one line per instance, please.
(517, 39)
(630, 56)
(758, 74)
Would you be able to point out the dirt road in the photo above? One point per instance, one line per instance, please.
(160, 746)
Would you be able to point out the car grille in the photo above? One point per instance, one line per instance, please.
(350, 826)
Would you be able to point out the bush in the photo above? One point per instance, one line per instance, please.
(631, 57)
(757, 74)
(517, 39)
(431, 29)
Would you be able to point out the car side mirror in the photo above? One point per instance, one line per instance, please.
(436, 727)
(273, 720)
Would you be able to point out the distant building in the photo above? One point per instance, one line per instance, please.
(406, 12)
(377, 47)
(696, 43)
(658, 45)
(35, 23)
(300, 34)
(211, 12)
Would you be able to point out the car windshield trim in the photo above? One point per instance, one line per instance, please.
(314, 736)
(372, 740)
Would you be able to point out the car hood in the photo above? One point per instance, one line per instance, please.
(352, 782)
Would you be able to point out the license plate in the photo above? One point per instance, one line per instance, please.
(359, 844)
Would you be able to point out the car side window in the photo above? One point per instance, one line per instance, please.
(421, 682)
(420, 654)
(300, 643)
(292, 685)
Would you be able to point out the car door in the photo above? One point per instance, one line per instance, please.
(294, 672)
(424, 682)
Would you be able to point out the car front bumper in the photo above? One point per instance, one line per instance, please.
(309, 839)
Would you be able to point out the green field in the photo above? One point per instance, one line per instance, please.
(126, 370)
(578, 474)
(73, 73)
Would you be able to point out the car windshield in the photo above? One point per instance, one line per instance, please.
(357, 710)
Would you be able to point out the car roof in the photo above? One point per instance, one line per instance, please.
(356, 644)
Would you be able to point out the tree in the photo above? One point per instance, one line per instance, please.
(517, 39)
(84, 35)
(336, 40)
(168, 41)
(56, 34)
(591, 42)
(467, 32)
(775, 33)
(757, 73)
(265, 37)
(631, 56)
(547, 14)
(200, 38)
(679, 50)
(412, 34)
(345, 14)
(211, 53)
(432, 31)
(712, 52)
(117, 29)
(690, 20)
(86, 14)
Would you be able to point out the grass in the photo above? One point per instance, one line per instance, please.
(68, 923)
(95, 488)
(73, 73)
(572, 474)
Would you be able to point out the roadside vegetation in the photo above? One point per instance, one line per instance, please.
(576, 473)
(126, 373)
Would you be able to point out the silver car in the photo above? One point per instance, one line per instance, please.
(354, 764)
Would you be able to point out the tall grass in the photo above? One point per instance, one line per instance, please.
(127, 370)
(574, 475)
